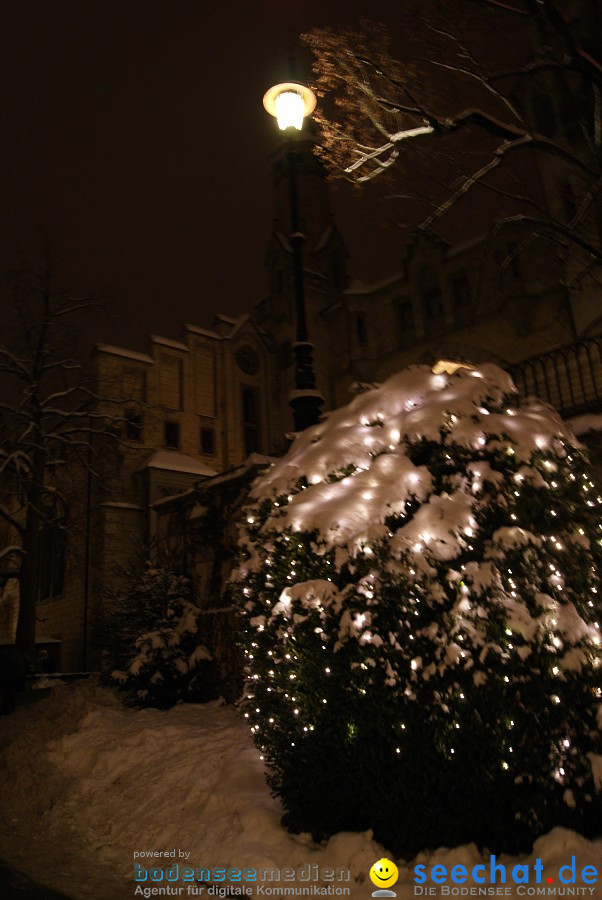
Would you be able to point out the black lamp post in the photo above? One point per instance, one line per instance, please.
(290, 103)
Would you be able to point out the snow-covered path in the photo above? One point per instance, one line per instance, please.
(85, 784)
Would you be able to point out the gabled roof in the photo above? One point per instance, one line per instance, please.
(174, 461)
(123, 351)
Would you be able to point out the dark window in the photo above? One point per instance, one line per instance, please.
(361, 329)
(433, 303)
(514, 261)
(52, 556)
(461, 290)
(406, 314)
(250, 419)
(133, 426)
(338, 274)
(431, 293)
(207, 441)
(172, 435)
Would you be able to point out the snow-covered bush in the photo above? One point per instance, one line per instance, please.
(152, 646)
(420, 595)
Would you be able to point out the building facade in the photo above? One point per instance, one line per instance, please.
(191, 420)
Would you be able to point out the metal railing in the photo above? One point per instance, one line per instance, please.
(569, 378)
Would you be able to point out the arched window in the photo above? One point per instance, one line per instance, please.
(431, 294)
(338, 273)
(361, 329)
(406, 314)
(251, 420)
(52, 537)
(133, 425)
(461, 290)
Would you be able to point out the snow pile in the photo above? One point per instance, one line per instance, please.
(87, 783)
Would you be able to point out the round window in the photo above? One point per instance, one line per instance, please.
(247, 360)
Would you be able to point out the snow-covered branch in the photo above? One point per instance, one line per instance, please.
(450, 102)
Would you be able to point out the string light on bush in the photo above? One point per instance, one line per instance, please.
(404, 570)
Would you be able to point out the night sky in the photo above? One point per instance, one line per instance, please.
(135, 138)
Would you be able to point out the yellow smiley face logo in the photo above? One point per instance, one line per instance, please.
(384, 873)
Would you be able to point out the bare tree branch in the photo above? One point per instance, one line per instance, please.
(379, 116)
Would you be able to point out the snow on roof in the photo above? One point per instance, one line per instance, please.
(178, 496)
(168, 342)
(467, 245)
(116, 504)
(323, 239)
(314, 272)
(174, 461)
(254, 459)
(358, 287)
(197, 512)
(584, 424)
(123, 351)
(229, 319)
(283, 241)
(242, 320)
(196, 329)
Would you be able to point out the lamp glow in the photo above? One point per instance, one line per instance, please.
(289, 102)
(289, 110)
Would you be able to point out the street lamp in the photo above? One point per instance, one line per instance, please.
(289, 103)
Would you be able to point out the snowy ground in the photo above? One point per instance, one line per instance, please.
(85, 784)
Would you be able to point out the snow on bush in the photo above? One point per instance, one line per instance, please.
(419, 588)
(153, 650)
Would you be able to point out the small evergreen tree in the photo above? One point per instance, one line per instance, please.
(153, 650)
(420, 599)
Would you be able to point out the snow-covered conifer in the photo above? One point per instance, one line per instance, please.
(420, 595)
(153, 650)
